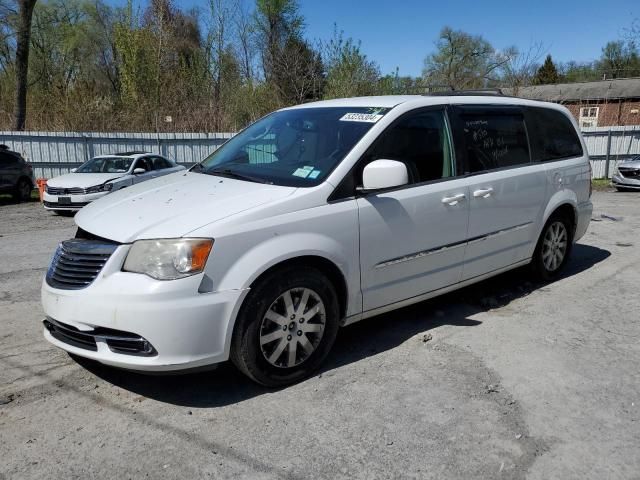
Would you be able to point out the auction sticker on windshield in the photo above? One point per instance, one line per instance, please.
(361, 117)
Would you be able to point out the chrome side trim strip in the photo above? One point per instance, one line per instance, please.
(499, 232)
(415, 256)
(424, 253)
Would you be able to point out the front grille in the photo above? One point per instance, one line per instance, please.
(118, 341)
(629, 172)
(78, 262)
(66, 191)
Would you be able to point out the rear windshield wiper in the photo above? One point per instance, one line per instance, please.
(227, 172)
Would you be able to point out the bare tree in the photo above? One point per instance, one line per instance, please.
(462, 61)
(23, 39)
(519, 69)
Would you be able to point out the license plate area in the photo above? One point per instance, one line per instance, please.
(64, 200)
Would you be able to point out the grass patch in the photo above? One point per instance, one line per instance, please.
(601, 183)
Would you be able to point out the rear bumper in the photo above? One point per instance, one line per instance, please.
(584, 211)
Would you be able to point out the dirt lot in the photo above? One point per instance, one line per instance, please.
(506, 379)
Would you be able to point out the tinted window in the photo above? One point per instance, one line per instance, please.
(145, 163)
(552, 135)
(160, 163)
(494, 138)
(420, 141)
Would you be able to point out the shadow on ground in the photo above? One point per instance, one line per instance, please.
(225, 385)
(6, 199)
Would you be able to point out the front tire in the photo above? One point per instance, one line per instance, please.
(553, 248)
(286, 326)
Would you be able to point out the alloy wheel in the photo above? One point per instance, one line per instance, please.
(292, 327)
(554, 246)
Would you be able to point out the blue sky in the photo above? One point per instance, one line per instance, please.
(401, 33)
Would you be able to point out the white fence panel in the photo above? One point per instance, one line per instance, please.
(55, 153)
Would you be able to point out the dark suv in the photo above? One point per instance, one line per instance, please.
(16, 175)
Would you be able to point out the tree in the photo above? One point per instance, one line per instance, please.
(461, 61)
(349, 72)
(547, 73)
(519, 69)
(23, 41)
(619, 59)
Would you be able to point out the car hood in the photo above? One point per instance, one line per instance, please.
(82, 180)
(630, 164)
(173, 206)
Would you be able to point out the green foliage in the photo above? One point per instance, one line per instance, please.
(349, 72)
(96, 66)
(619, 59)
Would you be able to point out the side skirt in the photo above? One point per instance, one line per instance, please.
(434, 293)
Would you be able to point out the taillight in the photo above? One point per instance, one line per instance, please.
(590, 179)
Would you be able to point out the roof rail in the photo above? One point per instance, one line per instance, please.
(482, 92)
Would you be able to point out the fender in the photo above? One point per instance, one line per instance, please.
(280, 248)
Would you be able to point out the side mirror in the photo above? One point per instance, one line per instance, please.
(381, 174)
(138, 171)
(73, 170)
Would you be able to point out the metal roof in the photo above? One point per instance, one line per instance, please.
(570, 92)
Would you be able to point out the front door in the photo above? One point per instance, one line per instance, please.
(507, 191)
(412, 239)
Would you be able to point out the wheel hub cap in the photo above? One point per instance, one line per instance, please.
(292, 327)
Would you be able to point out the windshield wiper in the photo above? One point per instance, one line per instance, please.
(227, 172)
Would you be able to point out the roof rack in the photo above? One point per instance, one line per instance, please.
(482, 92)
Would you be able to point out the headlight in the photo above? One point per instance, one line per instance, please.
(105, 187)
(168, 259)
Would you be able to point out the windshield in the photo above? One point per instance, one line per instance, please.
(298, 147)
(106, 165)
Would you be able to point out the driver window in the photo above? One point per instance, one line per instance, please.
(421, 141)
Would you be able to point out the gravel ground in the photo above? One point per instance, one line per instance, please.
(505, 379)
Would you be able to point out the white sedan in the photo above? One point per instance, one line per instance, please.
(102, 175)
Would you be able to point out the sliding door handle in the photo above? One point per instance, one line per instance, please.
(483, 193)
(454, 200)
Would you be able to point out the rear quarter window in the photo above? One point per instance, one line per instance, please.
(552, 135)
(493, 138)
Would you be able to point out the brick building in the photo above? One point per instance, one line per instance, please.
(594, 104)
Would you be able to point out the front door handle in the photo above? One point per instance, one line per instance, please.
(454, 200)
(483, 193)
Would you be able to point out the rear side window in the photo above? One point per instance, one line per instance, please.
(493, 138)
(552, 135)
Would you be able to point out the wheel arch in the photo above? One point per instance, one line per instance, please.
(564, 201)
(324, 265)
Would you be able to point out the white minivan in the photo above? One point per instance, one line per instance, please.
(315, 217)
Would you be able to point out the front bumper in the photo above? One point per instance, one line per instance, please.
(187, 329)
(51, 202)
(620, 181)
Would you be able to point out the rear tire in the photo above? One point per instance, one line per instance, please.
(554, 247)
(273, 343)
(23, 190)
